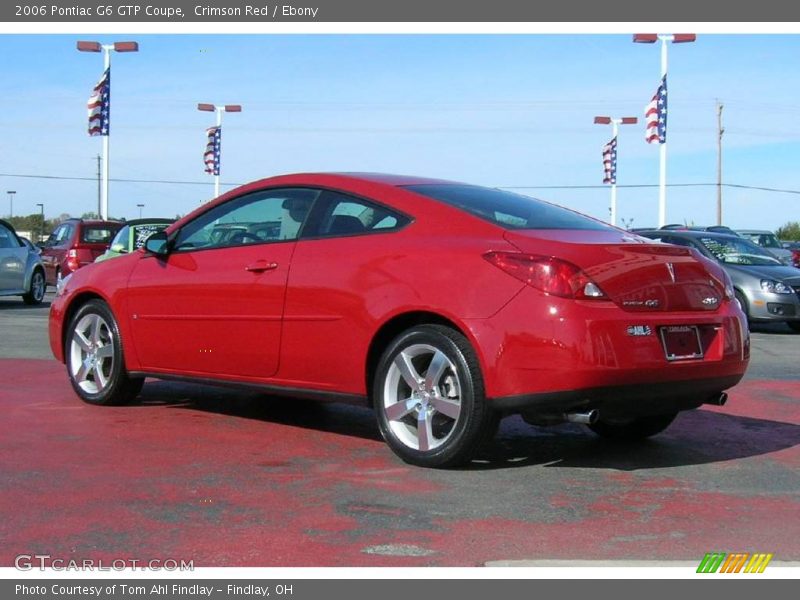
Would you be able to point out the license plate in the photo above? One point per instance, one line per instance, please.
(681, 342)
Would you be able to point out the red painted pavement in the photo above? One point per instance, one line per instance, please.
(227, 478)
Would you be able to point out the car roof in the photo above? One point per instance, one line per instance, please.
(390, 179)
(9, 225)
(689, 233)
(148, 221)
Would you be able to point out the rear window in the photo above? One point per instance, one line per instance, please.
(97, 235)
(509, 210)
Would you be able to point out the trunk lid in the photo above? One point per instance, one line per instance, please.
(637, 274)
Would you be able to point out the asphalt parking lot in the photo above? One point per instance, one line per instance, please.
(227, 478)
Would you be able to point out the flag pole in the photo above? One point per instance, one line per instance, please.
(662, 173)
(219, 111)
(106, 149)
(615, 123)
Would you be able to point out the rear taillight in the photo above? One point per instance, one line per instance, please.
(796, 257)
(72, 253)
(550, 275)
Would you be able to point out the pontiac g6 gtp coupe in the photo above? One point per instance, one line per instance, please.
(444, 306)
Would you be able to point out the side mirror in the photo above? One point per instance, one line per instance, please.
(157, 244)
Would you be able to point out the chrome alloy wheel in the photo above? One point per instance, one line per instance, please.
(92, 354)
(422, 397)
(37, 286)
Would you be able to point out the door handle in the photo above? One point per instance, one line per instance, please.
(261, 266)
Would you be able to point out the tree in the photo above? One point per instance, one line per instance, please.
(789, 231)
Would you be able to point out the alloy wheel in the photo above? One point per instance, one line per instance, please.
(422, 397)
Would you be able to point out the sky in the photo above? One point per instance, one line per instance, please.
(510, 111)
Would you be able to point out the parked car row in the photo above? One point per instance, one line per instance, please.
(783, 251)
(766, 288)
(27, 269)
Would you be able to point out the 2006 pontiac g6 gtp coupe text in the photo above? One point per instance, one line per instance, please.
(442, 305)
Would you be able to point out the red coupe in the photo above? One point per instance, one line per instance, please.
(442, 305)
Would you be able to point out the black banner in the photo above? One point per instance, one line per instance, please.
(385, 589)
(464, 11)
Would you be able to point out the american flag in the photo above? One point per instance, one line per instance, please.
(213, 150)
(99, 106)
(610, 162)
(655, 115)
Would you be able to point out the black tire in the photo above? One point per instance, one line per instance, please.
(457, 389)
(107, 383)
(636, 428)
(743, 305)
(37, 288)
(794, 326)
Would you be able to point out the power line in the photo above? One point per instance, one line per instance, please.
(505, 187)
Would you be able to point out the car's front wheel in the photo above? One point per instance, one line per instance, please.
(634, 428)
(794, 326)
(429, 398)
(35, 293)
(95, 362)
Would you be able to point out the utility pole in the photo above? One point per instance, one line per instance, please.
(720, 131)
(99, 187)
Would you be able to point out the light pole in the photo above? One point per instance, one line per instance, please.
(140, 206)
(615, 122)
(41, 212)
(11, 203)
(106, 50)
(214, 145)
(664, 38)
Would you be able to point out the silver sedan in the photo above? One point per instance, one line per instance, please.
(766, 289)
(21, 270)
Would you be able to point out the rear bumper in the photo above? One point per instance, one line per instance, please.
(627, 400)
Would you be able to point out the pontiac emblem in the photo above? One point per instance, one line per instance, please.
(671, 270)
(710, 301)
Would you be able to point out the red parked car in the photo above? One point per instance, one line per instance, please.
(444, 306)
(75, 243)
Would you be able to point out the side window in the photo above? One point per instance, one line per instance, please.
(7, 239)
(344, 215)
(265, 216)
(61, 235)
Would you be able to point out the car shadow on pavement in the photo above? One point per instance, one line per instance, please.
(696, 437)
(342, 419)
(8, 304)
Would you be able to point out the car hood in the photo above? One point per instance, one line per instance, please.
(789, 275)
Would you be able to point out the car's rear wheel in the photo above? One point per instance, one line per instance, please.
(35, 293)
(95, 363)
(429, 398)
(634, 428)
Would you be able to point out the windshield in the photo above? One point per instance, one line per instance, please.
(512, 211)
(765, 240)
(734, 251)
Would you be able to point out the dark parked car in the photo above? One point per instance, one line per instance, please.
(74, 244)
(21, 270)
(766, 289)
(444, 306)
(769, 241)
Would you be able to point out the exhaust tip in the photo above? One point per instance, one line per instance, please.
(718, 399)
(585, 418)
